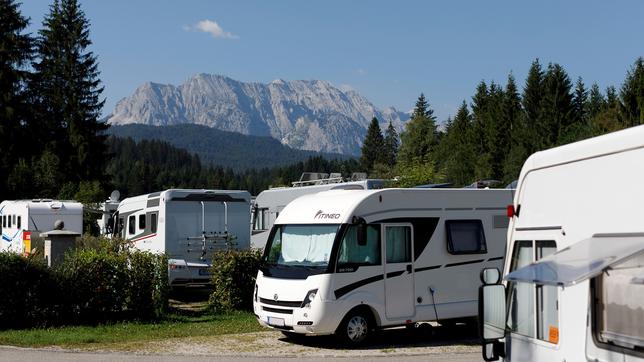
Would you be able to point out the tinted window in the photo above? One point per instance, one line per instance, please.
(132, 225)
(398, 244)
(153, 222)
(142, 222)
(353, 254)
(465, 237)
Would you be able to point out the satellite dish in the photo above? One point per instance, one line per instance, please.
(115, 196)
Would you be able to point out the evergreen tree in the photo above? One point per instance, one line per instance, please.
(68, 91)
(460, 157)
(531, 100)
(480, 105)
(513, 119)
(420, 136)
(612, 101)
(596, 101)
(15, 55)
(391, 145)
(632, 95)
(580, 102)
(556, 107)
(373, 147)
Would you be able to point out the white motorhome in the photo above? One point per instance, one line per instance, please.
(349, 261)
(21, 218)
(573, 286)
(187, 225)
(269, 203)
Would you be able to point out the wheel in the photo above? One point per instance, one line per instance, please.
(355, 328)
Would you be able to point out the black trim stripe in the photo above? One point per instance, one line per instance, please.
(427, 268)
(276, 310)
(465, 263)
(350, 287)
(281, 303)
(497, 258)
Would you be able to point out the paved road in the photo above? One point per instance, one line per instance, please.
(39, 355)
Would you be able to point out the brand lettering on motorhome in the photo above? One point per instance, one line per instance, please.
(322, 215)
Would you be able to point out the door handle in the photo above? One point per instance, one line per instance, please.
(409, 268)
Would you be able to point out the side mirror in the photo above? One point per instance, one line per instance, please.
(492, 314)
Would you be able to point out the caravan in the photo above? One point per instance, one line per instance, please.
(21, 218)
(348, 262)
(188, 225)
(573, 286)
(269, 203)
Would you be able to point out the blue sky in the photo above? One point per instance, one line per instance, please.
(390, 51)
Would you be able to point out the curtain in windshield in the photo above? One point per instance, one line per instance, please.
(306, 245)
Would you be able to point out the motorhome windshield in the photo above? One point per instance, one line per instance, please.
(301, 245)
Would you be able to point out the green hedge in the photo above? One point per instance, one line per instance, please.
(92, 285)
(233, 278)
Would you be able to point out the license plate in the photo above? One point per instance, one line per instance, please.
(276, 321)
(204, 272)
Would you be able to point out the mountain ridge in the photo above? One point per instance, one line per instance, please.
(303, 114)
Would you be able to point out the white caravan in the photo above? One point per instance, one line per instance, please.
(269, 203)
(21, 218)
(187, 225)
(349, 261)
(573, 285)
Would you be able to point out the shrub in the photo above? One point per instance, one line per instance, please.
(148, 284)
(26, 288)
(233, 279)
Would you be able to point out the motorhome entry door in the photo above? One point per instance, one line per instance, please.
(399, 270)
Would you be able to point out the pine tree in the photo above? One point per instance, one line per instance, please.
(596, 101)
(373, 147)
(69, 90)
(15, 55)
(580, 102)
(460, 158)
(531, 100)
(419, 139)
(480, 125)
(392, 143)
(513, 119)
(632, 95)
(556, 107)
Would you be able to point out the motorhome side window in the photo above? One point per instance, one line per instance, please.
(534, 309)
(142, 222)
(465, 237)
(153, 222)
(398, 244)
(352, 254)
(131, 225)
(618, 316)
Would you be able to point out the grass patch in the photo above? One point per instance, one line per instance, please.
(173, 326)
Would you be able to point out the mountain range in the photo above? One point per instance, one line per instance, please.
(303, 114)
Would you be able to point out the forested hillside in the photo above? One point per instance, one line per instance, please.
(221, 148)
(149, 166)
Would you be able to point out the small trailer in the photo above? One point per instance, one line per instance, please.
(20, 219)
(187, 225)
(350, 261)
(573, 278)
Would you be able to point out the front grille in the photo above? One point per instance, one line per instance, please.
(277, 310)
(281, 303)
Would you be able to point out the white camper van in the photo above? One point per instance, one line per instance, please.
(573, 286)
(347, 262)
(271, 202)
(188, 225)
(21, 218)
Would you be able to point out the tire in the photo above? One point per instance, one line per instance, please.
(355, 328)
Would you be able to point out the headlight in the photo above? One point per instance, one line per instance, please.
(309, 298)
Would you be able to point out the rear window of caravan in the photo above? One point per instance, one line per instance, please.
(131, 225)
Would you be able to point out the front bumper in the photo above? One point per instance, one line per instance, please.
(313, 321)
